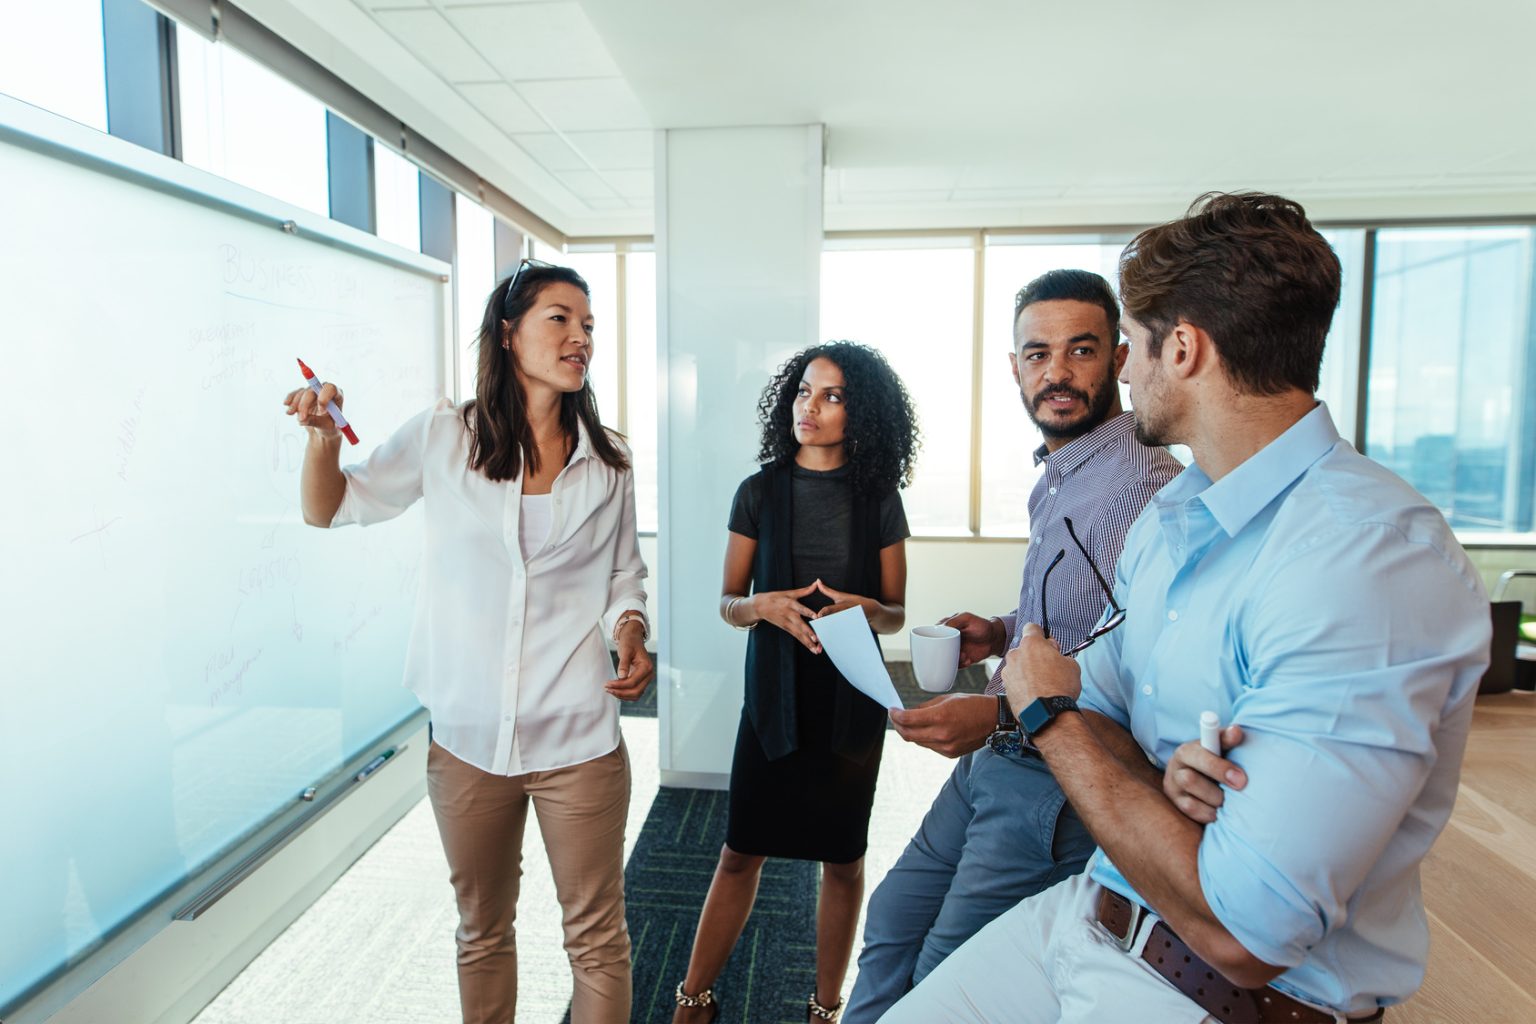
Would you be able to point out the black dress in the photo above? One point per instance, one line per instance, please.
(806, 761)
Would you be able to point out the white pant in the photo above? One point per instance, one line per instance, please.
(1047, 961)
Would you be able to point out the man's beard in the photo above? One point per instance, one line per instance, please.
(1095, 409)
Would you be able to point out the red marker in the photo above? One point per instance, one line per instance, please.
(330, 407)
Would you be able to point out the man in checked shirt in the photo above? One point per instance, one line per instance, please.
(1001, 829)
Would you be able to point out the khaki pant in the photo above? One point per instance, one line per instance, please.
(582, 811)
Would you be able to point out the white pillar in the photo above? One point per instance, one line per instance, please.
(738, 268)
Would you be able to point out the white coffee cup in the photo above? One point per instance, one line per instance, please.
(935, 657)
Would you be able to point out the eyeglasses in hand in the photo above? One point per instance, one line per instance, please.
(1117, 614)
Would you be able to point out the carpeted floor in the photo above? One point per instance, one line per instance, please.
(773, 967)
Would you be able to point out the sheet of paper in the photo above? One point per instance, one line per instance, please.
(847, 640)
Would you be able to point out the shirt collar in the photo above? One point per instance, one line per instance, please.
(583, 449)
(1079, 450)
(1243, 493)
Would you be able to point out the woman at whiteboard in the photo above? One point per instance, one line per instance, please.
(529, 563)
(818, 530)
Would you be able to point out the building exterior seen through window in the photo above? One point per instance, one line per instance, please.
(1452, 406)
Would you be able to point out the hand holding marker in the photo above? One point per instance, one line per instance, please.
(330, 407)
(1210, 732)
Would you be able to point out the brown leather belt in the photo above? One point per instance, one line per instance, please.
(1167, 954)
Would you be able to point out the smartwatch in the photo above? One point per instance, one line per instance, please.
(1039, 713)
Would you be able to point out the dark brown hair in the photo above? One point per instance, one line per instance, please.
(1250, 270)
(501, 438)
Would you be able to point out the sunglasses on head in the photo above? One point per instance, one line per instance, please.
(523, 264)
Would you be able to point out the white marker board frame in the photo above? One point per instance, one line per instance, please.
(169, 622)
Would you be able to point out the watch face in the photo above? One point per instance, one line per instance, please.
(1033, 717)
(1040, 712)
(1005, 742)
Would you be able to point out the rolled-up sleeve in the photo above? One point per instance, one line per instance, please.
(626, 583)
(389, 481)
(1349, 695)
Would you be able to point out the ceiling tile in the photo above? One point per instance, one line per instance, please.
(586, 185)
(897, 179)
(426, 34)
(502, 104)
(536, 41)
(617, 151)
(852, 198)
(551, 151)
(992, 176)
(376, 5)
(590, 104)
(632, 184)
(1138, 190)
(1005, 195)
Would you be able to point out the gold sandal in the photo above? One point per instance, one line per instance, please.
(815, 1011)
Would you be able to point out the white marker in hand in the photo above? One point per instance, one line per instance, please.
(1210, 732)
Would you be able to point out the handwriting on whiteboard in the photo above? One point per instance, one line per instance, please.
(229, 672)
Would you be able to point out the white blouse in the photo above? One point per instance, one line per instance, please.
(509, 654)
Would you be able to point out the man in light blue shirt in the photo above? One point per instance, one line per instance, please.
(1298, 590)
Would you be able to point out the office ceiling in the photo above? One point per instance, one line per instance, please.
(971, 113)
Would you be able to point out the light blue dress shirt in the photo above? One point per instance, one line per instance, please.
(1318, 601)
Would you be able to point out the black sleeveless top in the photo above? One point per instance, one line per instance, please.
(869, 525)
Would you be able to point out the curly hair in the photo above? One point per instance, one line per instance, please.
(1251, 270)
(881, 437)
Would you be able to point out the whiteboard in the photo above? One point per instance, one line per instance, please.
(181, 657)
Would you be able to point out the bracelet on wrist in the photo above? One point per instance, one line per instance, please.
(628, 617)
(730, 614)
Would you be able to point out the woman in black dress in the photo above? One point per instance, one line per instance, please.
(818, 529)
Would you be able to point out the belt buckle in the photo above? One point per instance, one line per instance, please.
(1126, 941)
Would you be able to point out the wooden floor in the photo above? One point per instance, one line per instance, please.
(1480, 880)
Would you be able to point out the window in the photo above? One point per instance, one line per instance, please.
(1455, 456)
(641, 382)
(603, 266)
(915, 305)
(52, 56)
(245, 123)
(397, 198)
(474, 272)
(1450, 408)
(1340, 373)
(600, 269)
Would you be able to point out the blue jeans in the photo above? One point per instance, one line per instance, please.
(1000, 830)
